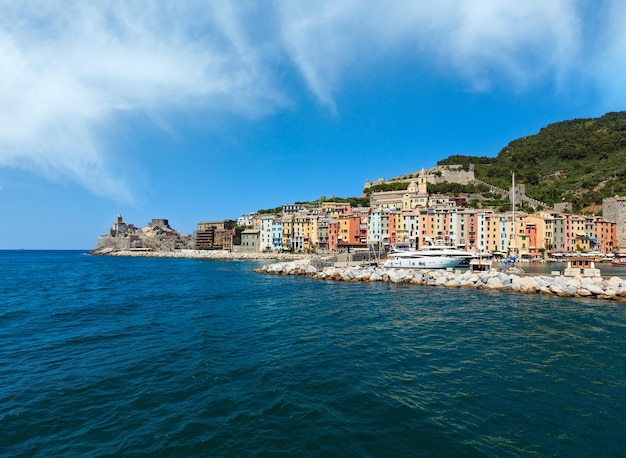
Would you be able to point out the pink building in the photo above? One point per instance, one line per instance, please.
(531, 237)
(333, 235)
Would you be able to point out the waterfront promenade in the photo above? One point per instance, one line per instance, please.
(199, 254)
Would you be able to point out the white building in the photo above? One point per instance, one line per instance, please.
(482, 235)
(277, 235)
(246, 220)
(410, 227)
(374, 226)
(503, 238)
(265, 233)
(453, 232)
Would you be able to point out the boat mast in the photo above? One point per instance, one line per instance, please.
(514, 243)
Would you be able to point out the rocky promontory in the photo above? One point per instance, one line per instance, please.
(596, 287)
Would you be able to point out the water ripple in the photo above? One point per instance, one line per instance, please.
(134, 357)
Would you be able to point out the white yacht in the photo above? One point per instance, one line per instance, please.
(435, 250)
(428, 257)
(422, 262)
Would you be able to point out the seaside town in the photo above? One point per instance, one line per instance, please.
(405, 218)
(313, 228)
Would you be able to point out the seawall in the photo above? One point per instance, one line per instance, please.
(197, 254)
(613, 288)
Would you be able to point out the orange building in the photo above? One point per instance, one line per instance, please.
(352, 231)
(531, 236)
(605, 235)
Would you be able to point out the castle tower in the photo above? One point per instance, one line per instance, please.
(421, 187)
(614, 209)
(117, 225)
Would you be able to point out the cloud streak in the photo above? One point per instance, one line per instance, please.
(485, 41)
(71, 69)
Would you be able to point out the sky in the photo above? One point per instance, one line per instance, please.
(206, 110)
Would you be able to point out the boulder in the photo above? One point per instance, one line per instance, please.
(347, 274)
(363, 274)
(526, 285)
(594, 287)
(562, 288)
(275, 268)
(399, 275)
(615, 283)
(494, 283)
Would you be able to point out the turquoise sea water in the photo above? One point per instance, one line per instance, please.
(178, 357)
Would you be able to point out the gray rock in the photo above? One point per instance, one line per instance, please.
(494, 283)
(592, 286)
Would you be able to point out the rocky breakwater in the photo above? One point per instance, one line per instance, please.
(601, 288)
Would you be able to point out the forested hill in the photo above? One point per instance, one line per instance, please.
(580, 161)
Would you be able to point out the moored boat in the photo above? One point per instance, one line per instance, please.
(434, 250)
(429, 256)
(422, 262)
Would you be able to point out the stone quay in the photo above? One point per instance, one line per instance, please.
(195, 254)
(613, 288)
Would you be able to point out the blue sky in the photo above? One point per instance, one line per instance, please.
(205, 110)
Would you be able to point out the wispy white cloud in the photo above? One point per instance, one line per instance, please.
(520, 42)
(70, 68)
(484, 40)
(607, 62)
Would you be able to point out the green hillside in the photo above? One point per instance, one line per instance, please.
(580, 161)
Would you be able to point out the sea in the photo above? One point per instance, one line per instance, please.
(133, 357)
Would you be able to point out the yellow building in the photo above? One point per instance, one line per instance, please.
(492, 232)
(256, 222)
(301, 232)
(343, 228)
(287, 234)
(578, 237)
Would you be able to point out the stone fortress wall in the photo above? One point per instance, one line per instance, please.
(457, 174)
(614, 209)
(435, 175)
